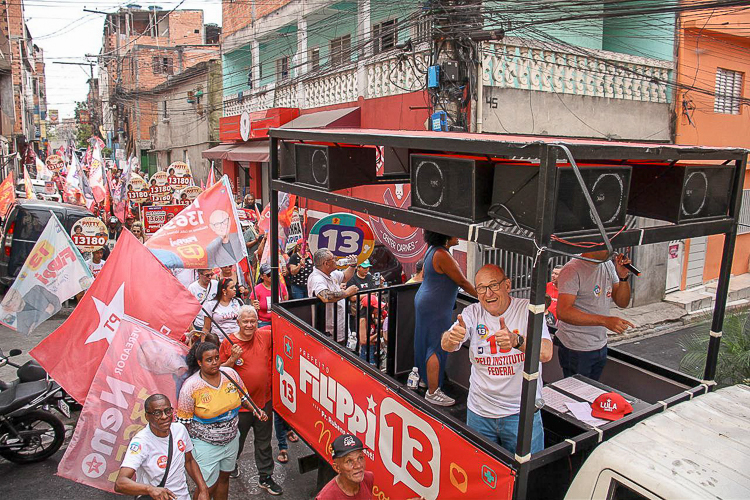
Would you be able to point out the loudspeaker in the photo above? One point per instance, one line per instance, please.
(333, 168)
(457, 187)
(515, 187)
(681, 193)
(287, 160)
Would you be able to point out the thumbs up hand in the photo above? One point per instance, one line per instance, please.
(504, 338)
(455, 335)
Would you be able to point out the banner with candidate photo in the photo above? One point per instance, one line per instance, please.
(137, 189)
(139, 362)
(159, 189)
(53, 272)
(178, 175)
(206, 234)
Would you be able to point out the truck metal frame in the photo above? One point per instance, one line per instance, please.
(539, 245)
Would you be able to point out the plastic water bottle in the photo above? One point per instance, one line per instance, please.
(351, 343)
(413, 380)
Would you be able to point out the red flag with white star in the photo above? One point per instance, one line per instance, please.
(138, 363)
(132, 283)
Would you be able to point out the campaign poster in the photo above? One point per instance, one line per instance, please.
(7, 194)
(159, 191)
(188, 195)
(322, 395)
(205, 235)
(55, 163)
(178, 175)
(53, 272)
(344, 234)
(155, 216)
(139, 362)
(89, 234)
(137, 189)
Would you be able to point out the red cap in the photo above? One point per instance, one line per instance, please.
(610, 406)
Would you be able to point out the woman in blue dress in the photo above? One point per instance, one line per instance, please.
(433, 307)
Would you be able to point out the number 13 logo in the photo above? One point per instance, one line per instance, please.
(288, 391)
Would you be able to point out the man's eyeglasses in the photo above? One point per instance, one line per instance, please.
(494, 286)
(167, 412)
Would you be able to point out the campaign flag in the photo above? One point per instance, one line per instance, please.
(7, 194)
(53, 272)
(88, 195)
(286, 211)
(211, 180)
(132, 284)
(27, 185)
(206, 234)
(138, 363)
(42, 172)
(72, 192)
(96, 175)
(120, 194)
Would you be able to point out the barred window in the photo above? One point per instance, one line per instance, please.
(728, 91)
(384, 36)
(282, 68)
(744, 222)
(341, 50)
(313, 57)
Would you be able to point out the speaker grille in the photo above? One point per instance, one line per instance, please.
(319, 166)
(694, 194)
(430, 183)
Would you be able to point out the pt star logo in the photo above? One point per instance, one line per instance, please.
(109, 316)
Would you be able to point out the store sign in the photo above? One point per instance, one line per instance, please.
(410, 453)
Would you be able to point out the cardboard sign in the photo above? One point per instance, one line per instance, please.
(89, 234)
(159, 190)
(323, 395)
(343, 234)
(137, 189)
(155, 216)
(189, 194)
(178, 175)
(55, 163)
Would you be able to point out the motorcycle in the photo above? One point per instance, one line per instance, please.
(29, 431)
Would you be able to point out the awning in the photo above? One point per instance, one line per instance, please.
(344, 118)
(217, 152)
(251, 151)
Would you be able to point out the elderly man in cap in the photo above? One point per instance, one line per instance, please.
(352, 482)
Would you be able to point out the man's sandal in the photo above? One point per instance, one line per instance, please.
(283, 457)
(292, 437)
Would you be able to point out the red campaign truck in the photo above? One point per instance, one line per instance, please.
(538, 197)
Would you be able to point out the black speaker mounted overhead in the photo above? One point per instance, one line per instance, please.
(334, 167)
(681, 193)
(515, 192)
(287, 162)
(458, 187)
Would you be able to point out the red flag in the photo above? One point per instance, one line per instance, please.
(7, 194)
(133, 284)
(140, 362)
(211, 178)
(205, 234)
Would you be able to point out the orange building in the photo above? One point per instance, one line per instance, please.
(713, 65)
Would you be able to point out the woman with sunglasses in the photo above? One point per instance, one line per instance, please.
(137, 231)
(263, 294)
(209, 406)
(223, 310)
(147, 452)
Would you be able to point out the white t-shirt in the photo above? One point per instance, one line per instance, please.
(496, 377)
(184, 276)
(319, 281)
(95, 268)
(202, 294)
(147, 455)
(224, 316)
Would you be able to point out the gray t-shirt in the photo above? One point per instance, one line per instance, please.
(592, 285)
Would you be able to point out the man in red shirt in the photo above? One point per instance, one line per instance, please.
(250, 356)
(552, 290)
(353, 482)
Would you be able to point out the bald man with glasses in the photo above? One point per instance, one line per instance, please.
(495, 328)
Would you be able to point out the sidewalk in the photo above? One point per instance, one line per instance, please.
(682, 308)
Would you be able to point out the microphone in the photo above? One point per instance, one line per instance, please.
(632, 269)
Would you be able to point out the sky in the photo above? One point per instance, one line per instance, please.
(66, 34)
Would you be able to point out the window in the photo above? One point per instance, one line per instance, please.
(728, 91)
(341, 50)
(313, 58)
(162, 65)
(618, 491)
(423, 30)
(744, 222)
(282, 68)
(384, 36)
(164, 111)
(250, 78)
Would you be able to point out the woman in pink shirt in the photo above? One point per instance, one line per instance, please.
(263, 295)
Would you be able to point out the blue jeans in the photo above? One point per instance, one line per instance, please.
(298, 292)
(363, 352)
(587, 363)
(281, 428)
(504, 430)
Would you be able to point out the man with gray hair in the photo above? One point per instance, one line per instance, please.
(249, 353)
(326, 283)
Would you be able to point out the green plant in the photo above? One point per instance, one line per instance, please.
(733, 366)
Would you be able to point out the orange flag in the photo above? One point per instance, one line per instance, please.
(27, 185)
(7, 194)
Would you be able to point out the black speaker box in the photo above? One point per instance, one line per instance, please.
(515, 187)
(680, 193)
(333, 167)
(287, 160)
(458, 187)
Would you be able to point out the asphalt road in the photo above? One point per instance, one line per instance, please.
(39, 482)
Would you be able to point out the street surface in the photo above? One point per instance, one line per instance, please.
(39, 482)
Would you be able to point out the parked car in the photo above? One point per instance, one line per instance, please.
(384, 262)
(21, 228)
(40, 190)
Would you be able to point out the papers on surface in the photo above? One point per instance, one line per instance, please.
(579, 388)
(582, 411)
(556, 400)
